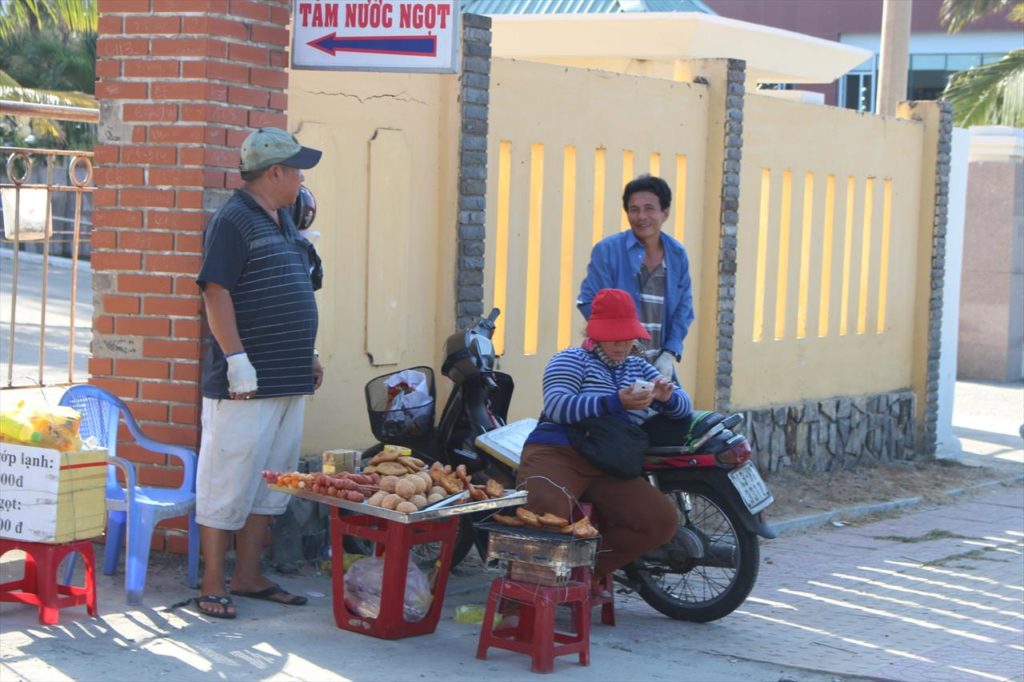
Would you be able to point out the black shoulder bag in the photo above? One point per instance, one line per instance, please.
(613, 445)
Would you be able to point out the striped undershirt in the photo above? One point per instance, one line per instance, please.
(651, 285)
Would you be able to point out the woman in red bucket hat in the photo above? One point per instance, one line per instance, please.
(600, 379)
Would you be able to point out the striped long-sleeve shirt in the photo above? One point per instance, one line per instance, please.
(579, 385)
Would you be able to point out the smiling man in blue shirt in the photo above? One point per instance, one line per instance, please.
(652, 266)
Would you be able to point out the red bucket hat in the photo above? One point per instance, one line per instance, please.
(613, 317)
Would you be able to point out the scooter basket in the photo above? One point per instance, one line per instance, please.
(391, 425)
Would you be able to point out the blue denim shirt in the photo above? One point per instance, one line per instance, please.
(614, 263)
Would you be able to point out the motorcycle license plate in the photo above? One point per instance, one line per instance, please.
(751, 487)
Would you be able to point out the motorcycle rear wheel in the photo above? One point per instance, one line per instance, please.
(694, 590)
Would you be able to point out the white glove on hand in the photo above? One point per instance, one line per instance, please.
(241, 374)
(664, 363)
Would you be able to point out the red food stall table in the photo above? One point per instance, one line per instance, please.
(394, 541)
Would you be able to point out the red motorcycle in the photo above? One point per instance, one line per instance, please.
(707, 570)
(704, 573)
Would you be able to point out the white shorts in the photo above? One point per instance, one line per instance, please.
(240, 439)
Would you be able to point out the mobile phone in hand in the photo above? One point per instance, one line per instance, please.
(641, 386)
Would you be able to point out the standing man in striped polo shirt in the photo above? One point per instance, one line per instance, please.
(652, 266)
(258, 366)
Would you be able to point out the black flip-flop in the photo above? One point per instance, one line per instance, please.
(225, 602)
(269, 593)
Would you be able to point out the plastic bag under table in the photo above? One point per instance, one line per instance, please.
(394, 540)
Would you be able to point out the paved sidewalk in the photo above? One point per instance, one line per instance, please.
(934, 595)
(937, 594)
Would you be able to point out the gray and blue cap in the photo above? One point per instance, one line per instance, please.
(268, 146)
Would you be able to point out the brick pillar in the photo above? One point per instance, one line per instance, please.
(180, 84)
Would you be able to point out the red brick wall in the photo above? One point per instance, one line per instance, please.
(180, 84)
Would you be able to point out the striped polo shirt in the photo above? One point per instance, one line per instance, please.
(266, 269)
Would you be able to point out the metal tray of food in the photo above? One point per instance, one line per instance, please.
(454, 506)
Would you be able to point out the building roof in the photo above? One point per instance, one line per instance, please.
(582, 6)
(773, 55)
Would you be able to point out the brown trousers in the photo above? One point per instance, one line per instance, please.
(635, 516)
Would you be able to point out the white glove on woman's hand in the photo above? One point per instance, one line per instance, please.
(665, 364)
(241, 374)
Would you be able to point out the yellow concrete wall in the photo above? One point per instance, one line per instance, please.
(562, 143)
(387, 202)
(831, 314)
(827, 259)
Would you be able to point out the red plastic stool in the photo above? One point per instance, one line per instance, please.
(38, 585)
(602, 592)
(535, 634)
(393, 542)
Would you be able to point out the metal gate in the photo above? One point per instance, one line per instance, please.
(45, 195)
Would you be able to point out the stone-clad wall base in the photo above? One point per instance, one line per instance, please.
(832, 434)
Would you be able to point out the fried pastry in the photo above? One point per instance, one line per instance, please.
(508, 521)
(494, 489)
(528, 517)
(552, 521)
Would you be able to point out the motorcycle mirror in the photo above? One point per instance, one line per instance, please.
(732, 420)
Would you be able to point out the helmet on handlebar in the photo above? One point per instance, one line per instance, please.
(469, 352)
(304, 209)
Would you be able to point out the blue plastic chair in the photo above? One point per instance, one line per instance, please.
(132, 507)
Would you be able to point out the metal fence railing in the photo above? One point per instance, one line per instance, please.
(28, 215)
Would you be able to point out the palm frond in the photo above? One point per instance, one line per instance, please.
(62, 98)
(956, 14)
(992, 94)
(77, 16)
(69, 16)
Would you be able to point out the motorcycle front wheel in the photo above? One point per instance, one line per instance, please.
(701, 590)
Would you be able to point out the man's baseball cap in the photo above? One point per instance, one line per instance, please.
(268, 146)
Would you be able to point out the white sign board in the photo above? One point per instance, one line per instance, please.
(376, 35)
(29, 477)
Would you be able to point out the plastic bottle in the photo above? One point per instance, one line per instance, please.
(351, 559)
(18, 429)
(473, 614)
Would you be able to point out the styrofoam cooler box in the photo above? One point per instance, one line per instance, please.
(51, 496)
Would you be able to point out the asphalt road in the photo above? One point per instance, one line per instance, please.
(57, 336)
